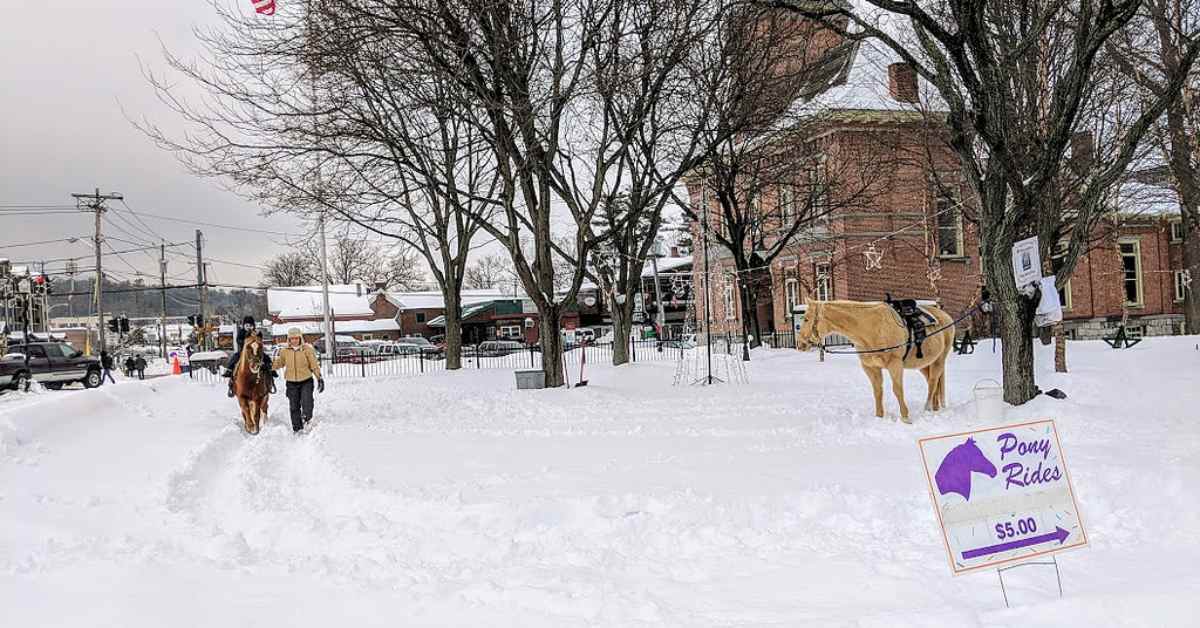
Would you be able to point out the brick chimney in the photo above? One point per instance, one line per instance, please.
(1083, 148)
(902, 83)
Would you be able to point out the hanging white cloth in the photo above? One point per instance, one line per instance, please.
(1049, 309)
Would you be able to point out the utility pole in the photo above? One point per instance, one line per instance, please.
(330, 347)
(162, 283)
(203, 288)
(72, 267)
(45, 301)
(95, 203)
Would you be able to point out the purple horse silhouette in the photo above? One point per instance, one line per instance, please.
(954, 474)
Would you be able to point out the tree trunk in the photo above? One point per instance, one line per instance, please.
(453, 331)
(1060, 349)
(622, 329)
(1016, 328)
(1191, 262)
(750, 327)
(552, 346)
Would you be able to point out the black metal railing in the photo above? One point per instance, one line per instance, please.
(481, 357)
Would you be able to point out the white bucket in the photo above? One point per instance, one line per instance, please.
(989, 401)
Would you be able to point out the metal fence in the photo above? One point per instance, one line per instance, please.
(473, 358)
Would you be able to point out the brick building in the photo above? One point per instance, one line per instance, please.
(905, 232)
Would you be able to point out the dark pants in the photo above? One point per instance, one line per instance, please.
(107, 374)
(300, 402)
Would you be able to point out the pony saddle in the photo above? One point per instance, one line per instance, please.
(914, 319)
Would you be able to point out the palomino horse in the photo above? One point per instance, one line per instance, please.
(873, 326)
(251, 385)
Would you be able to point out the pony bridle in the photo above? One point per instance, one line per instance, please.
(814, 338)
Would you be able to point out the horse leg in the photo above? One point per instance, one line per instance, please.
(254, 415)
(246, 419)
(931, 387)
(896, 370)
(876, 377)
(941, 383)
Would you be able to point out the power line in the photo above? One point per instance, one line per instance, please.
(215, 225)
(20, 244)
(140, 221)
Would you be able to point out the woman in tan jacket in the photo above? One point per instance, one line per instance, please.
(300, 364)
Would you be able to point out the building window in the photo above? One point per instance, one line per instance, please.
(1176, 231)
(949, 226)
(510, 331)
(1064, 295)
(1131, 271)
(824, 282)
(818, 199)
(1180, 285)
(787, 207)
(420, 317)
(729, 313)
(791, 290)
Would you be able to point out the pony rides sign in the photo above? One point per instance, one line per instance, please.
(1002, 495)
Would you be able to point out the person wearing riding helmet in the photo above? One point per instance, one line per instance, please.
(247, 327)
(300, 366)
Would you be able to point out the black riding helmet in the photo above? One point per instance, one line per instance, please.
(248, 320)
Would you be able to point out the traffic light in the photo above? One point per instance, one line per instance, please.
(125, 324)
(114, 325)
(192, 320)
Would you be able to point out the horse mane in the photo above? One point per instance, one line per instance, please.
(242, 357)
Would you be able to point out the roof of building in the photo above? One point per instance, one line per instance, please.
(304, 301)
(467, 314)
(665, 265)
(433, 300)
(1147, 199)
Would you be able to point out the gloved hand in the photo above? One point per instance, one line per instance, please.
(320, 385)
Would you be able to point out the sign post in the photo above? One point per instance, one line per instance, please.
(1002, 496)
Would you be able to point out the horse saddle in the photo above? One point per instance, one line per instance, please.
(915, 320)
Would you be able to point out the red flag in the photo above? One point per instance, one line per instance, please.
(265, 7)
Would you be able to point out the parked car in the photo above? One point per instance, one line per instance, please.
(339, 342)
(497, 348)
(418, 345)
(52, 364)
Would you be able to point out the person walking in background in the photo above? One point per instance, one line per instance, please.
(139, 364)
(129, 366)
(106, 364)
(301, 367)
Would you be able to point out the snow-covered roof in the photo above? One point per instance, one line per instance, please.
(1147, 199)
(432, 299)
(341, 327)
(306, 301)
(665, 265)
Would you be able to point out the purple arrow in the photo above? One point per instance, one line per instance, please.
(1058, 534)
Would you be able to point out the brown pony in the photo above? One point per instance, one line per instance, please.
(251, 385)
(875, 325)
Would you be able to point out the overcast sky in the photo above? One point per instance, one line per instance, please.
(68, 67)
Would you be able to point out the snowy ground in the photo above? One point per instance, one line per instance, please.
(453, 500)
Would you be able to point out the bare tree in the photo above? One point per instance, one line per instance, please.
(291, 269)
(1019, 79)
(487, 272)
(402, 269)
(523, 69)
(769, 177)
(346, 123)
(1151, 51)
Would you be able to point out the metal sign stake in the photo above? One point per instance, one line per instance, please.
(1057, 575)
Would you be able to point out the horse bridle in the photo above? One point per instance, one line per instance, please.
(815, 337)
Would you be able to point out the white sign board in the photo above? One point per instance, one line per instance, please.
(1002, 495)
(1026, 262)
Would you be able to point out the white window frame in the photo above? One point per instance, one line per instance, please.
(1176, 231)
(787, 206)
(823, 288)
(818, 198)
(506, 331)
(729, 301)
(1179, 290)
(1064, 296)
(1137, 263)
(791, 294)
(955, 208)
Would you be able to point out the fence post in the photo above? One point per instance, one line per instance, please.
(632, 347)
(362, 361)
(478, 358)
(421, 356)
(530, 357)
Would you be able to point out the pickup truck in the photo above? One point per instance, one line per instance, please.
(52, 364)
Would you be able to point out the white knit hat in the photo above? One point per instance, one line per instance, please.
(294, 332)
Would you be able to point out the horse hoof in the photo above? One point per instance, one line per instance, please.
(906, 420)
